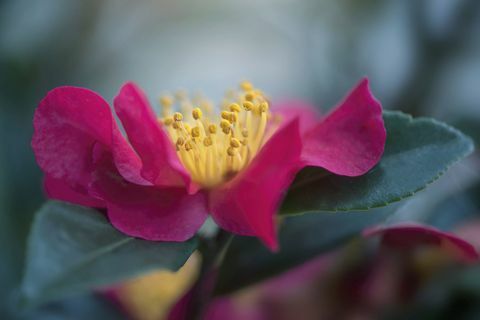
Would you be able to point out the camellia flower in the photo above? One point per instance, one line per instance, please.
(162, 180)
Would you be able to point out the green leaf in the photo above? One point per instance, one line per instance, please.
(247, 261)
(73, 249)
(417, 152)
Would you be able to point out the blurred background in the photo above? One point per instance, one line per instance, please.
(422, 57)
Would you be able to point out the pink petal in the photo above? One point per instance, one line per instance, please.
(161, 165)
(67, 123)
(147, 212)
(410, 235)
(59, 190)
(307, 114)
(351, 139)
(126, 159)
(247, 205)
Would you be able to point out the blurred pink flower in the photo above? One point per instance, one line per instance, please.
(341, 286)
(163, 181)
(408, 236)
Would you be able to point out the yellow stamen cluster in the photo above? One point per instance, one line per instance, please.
(214, 147)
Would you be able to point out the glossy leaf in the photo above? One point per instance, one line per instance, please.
(74, 249)
(247, 261)
(417, 152)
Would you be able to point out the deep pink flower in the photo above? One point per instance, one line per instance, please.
(162, 180)
(311, 290)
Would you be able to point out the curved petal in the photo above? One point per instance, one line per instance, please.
(306, 113)
(247, 204)
(147, 212)
(59, 190)
(126, 160)
(351, 139)
(161, 165)
(410, 235)
(67, 123)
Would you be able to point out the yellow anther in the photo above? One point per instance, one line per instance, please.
(248, 105)
(212, 129)
(245, 132)
(263, 106)
(177, 116)
(234, 107)
(231, 151)
(197, 113)
(195, 132)
(225, 115)
(207, 141)
(175, 125)
(168, 121)
(166, 101)
(188, 146)
(224, 124)
(233, 117)
(187, 127)
(226, 130)
(180, 141)
(246, 85)
(249, 96)
(244, 142)
(234, 143)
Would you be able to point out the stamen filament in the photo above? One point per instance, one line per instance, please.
(212, 157)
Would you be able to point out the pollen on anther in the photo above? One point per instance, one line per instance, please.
(246, 86)
(225, 115)
(197, 113)
(249, 96)
(212, 129)
(224, 124)
(207, 141)
(234, 143)
(180, 141)
(168, 121)
(231, 151)
(177, 116)
(166, 101)
(195, 132)
(234, 107)
(248, 105)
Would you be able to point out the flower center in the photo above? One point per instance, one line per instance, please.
(214, 146)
